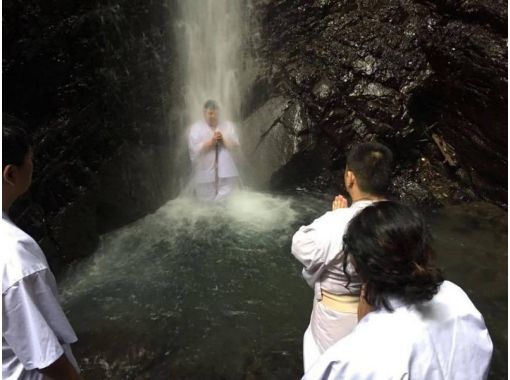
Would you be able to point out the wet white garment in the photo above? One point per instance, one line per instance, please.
(207, 191)
(318, 247)
(203, 163)
(442, 339)
(326, 327)
(35, 330)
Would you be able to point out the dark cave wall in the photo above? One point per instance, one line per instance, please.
(94, 83)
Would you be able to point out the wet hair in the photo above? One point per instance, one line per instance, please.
(15, 141)
(389, 244)
(211, 104)
(372, 164)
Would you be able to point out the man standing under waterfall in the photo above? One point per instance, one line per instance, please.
(318, 247)
(35, 331)
(211, 145)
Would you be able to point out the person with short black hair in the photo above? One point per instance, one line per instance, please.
(412, 323)
(318, 247)
(212, 145)
(35, 331)
(372, 164)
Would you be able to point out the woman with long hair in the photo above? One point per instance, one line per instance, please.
(412, 323)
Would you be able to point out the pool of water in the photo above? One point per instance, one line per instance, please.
(471, 243)
(195, 291)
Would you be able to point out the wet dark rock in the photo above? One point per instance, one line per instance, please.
(428, 78)
(274, 139)
(94, 83)
(132, 183)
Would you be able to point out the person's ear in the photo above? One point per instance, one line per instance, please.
(363, 306)
(9, 174)
(350, 179)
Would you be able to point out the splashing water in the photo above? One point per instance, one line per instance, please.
(180, 222)
(200, 291)
(190, 285)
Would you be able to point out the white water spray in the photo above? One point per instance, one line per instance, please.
(210, 47)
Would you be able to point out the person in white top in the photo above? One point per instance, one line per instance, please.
(212, 145)
(318, 247)
(413, 325)
(35, 331)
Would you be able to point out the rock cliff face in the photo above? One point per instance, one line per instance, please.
(428, 78)
(94, 83)
(98, 85)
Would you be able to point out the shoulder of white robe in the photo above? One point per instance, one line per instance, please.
(197, 127)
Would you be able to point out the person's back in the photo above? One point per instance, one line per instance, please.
(413, 324)
(21, 254)
(318, 247)
(24, 270)
(442, 339)
(35, 331)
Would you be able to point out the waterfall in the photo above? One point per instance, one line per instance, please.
(210, 38)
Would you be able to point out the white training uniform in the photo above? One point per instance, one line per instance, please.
(203, 163)
(35, 330)
(318, 247)
(442, 339)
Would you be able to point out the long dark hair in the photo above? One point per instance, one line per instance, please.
(389, 244)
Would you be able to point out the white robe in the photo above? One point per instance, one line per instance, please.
(318, 247)
(442, 339)
(203, 163)
(35, 330)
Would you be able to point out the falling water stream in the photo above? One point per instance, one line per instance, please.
(211, 33)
